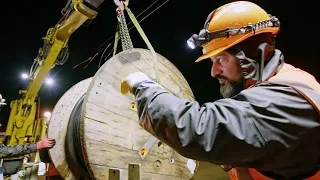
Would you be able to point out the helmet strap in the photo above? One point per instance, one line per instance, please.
(256, 69)
(250, 67)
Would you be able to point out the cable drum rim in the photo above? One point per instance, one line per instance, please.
(73, 149)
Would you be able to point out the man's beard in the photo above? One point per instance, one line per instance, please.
(232, 87)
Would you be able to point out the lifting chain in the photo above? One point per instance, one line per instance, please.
(123, 28)
(127, 44)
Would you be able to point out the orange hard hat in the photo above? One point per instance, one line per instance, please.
(230, 24)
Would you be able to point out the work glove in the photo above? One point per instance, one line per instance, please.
(28, 156)
(46, 143)
(131, 79)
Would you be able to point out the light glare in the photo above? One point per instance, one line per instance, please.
(24, 75)
(49, 81)
(47, 114)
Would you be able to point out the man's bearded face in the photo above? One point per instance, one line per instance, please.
(226, 68)
(230, 87)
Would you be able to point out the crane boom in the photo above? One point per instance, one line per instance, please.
(58, 38)
(22, 117)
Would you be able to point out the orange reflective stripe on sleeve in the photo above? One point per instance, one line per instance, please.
(233, 174)
(256, 175)
(314, 177)
(240, 174)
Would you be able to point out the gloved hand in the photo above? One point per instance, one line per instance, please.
(28, 156)
(130, 80)
(45, 143)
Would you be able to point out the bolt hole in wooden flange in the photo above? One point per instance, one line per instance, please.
(157, 164)
(171, 160)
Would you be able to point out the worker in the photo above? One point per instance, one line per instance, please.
(51, 171)
(2, 102)
(267, 126)
(24, 149)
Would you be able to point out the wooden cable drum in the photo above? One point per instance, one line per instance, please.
(58, 126)
(102, 128)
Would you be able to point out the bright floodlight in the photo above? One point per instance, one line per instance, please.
(24, 76)
(49, 81)
(47, 114)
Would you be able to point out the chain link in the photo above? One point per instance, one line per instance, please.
(124, 32)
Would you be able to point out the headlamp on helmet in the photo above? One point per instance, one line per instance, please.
(204, 36)
(197, 40)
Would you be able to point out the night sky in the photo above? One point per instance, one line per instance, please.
(24, 23)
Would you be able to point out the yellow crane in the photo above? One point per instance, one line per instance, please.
(23, 125)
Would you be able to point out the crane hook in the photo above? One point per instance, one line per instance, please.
(118, 2)
(120, 8)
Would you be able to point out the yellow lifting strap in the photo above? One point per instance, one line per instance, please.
(144, 37)
(144, 150)
(116, 40)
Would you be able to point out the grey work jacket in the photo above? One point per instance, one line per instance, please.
(17, 150)
(269, 127)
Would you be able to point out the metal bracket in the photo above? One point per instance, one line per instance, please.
(191, 165)
(147, 146)
(133, 106)
(134, 171)
(115, 174)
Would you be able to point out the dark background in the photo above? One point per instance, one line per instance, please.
(24, 23)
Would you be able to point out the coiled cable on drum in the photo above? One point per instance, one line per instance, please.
(73, 148)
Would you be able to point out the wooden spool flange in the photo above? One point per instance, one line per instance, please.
(110, 135)
(57, 127)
